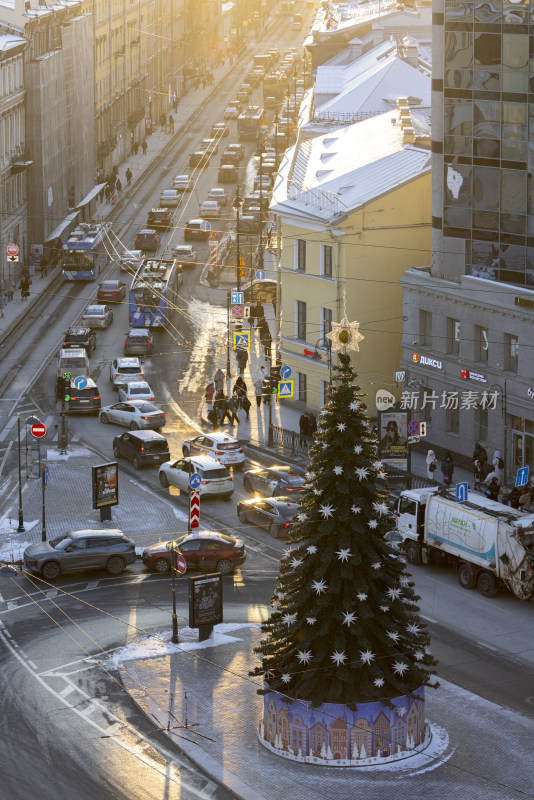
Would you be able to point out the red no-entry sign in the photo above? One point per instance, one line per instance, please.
(12, 249)
(181, 566)
(38, 430)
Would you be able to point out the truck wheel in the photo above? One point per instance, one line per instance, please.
(486, 584)
(465, 576)
(413, 553)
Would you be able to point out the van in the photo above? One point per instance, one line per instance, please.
(86, 400)
(142, 448)
(73, 361)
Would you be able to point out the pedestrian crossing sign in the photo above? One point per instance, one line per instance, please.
(242, 340)
(285, 388)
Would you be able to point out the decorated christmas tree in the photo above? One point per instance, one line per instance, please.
(345, 625)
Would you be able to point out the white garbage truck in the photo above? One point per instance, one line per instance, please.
(491, 545)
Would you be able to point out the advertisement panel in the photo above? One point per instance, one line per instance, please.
(205, 600)
(105, 485)
(393, 437)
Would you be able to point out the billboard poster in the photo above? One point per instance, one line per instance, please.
(205, 600)
(105, 485)
(393, 437)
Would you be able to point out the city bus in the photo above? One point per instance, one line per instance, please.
(154, 293)
(85, 253)
(249, 122)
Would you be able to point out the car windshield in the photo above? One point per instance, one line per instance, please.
(139, 390)
(109, 285)
(61, 542)
(157, 446)
(72, 363)
(148, 408)
(77, 337)
(227, 446)
(215, 474)
(137, 339)
(129, 370)
(95, 310)
(177, 542)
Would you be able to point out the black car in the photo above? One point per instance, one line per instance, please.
(85, 400)
(274, 513)
(80, 337)
(273, 481)
(159, 219)
(147, 240)
(196, 230)
(111, 550)
(139, 342)
(142, 448)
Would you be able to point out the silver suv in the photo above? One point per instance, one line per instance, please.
(111, 550)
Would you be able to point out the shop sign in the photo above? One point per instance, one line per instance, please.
(426, 362)
(473, 376)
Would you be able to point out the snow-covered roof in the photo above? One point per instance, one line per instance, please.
(9, 41)
(332, 175)
(335, 18)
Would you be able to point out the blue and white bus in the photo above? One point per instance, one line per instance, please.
(154, 293)
(85, 253)
(249, 122)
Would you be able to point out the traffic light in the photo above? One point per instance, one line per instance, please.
(63, 387)
(275, 377)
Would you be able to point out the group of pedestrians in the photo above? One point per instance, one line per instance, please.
(222, 407)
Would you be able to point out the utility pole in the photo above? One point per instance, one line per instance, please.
(43, 490)
(174, 614)
(21, 527)
(228, 374)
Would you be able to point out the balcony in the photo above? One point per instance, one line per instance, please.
(20, 159)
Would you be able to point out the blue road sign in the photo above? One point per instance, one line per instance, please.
(522, 476)
(195, 480)
(285, 372)
(260, 274)
(238, 312)
(237, 298)
(285, 388)
(242, 340)
(462, 491)
(80, 382)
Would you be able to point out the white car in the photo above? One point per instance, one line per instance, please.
(129, 261)
(210, 209)
(182, 183)
(136, 390)
(223, 448)
(185, 254)
(219, 195)
(169, 198)
(97, 317)
(124, 370)
(209, 146)
(215, 479)
(136, 415)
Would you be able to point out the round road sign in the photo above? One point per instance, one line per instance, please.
(12, 249)
(181, 566)
(195, 480)
(80, 382)
(413, 427)
(38, 430)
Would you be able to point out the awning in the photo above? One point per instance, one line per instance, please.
(63, 228)
(95, 191)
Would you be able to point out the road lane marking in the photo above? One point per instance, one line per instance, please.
(489, 646)
(6, 455)
(4, 433)
(66, 691)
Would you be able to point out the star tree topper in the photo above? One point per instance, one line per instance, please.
(345, 336)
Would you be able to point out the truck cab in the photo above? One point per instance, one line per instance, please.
(409, 512)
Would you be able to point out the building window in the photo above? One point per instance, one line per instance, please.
(302, 387)
(300, 321)
(300, 255)
(481, 344)
(425, 328)
(481, 424)
(326, 322)
(452, 419)
(453, 336)
(325, 386)
(511, 352)
(326, 264)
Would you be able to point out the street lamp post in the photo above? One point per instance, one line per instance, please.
(504, 415)
(174, 615)
(236, 205)
(259, 153)
(228, 374)
(21, 527)
(276, 123)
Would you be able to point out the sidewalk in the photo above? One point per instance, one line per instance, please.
(222, 704)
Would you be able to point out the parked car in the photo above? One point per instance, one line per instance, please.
(159, 218)
(86, 400)
(218, 194)
(129, 261)
(197, 229)
(275, 514)
(111, 292)
(210, 209)
(135, 414)
(216, 480)
(80, 337)
(209, 146)
(136, 390)
(200, 158)
(219, 130)
(201, 550)
(170, 198)
(227, 174)
(182, 183)
(223, 448)
(143, 448)
(122, 370)
(273, 481)
(97, 316)
(147, 240)
(139, 342)
(111, 550)
(185, 254)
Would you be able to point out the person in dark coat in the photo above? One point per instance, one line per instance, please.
(218, 379)
(240, 389)
(313, 423)
(233, 405)
(266, 341)
(447, 468)
(480, 455)
(493, 489)
(259, 314)
(144, 146)
(221, 406)
(514, 496)
(24, 287)
(304, 426)
(135, 148)
(171, 123)
(118, 186)
(242, 358)
(129, 176)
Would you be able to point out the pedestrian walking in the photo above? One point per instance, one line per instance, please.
(477, 473)
(144, 146)
(118, 186)
(258, 386)
(129, 176)
(304, 427)
(242, 359)
(447, 468)
(260, 315)
(480, 455)
(24, 287)
(252, 317)
(213, 417)
(43, 266)
(135, 148)
(233, 405)
(245, 402)
(313, 423)
(266, 341)
(208, 394)
(212, 278)
(171, 123)
(240, 388)
(498, 464)
(107, 191)
(431, 465)
(219, 380)
(493, 489)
